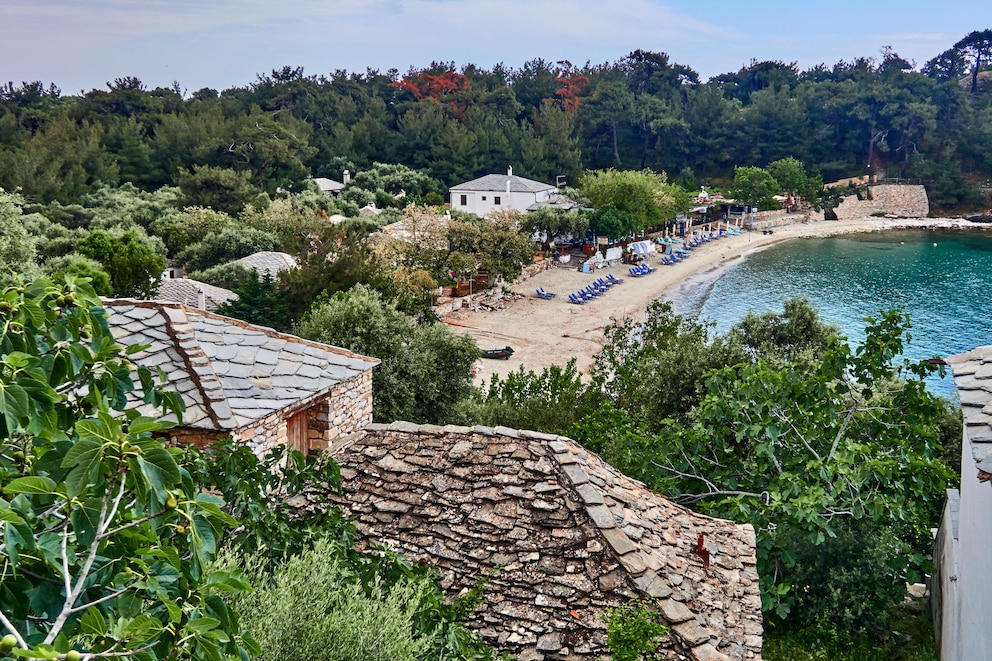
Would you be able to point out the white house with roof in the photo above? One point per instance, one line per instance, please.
(961, 588)
(496, 192)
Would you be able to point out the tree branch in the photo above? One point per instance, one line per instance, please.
(71, 596)
(692, 498)
(106, 597)
(10, 627)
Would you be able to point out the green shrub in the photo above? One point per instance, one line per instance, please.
(633, 630)
(311, 609)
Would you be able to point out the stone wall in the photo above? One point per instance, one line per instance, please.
(903, 201)
(447, 305)
(767, 219)
(344, 410)
(561, 534)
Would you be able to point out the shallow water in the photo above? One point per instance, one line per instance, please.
(942, 279)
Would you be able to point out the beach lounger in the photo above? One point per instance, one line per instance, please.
(614, 280)
(572, 298)
(545, 294)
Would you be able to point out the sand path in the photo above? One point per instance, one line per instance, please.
(550, 332)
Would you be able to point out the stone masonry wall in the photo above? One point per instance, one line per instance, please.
(904, 201)
(562, 536)
(345, 409)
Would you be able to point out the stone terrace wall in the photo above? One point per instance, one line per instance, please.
(563, 535)
(905, 201)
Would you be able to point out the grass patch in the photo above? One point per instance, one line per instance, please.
(911, 639)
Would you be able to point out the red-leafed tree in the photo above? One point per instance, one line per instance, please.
(572, 83)
(425, 85)
(571, 87)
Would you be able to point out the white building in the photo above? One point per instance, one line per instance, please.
(495, 192)
(962, 585)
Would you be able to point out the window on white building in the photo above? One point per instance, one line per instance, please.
(496, 200)
(464, 200)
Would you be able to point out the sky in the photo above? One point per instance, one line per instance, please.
(80, 45)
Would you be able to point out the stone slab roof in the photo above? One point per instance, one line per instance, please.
(268, 261)
(973, 378)
(328, 185)
(497, 183)
(563, 535)
(187, 292)
(230, 373)
(556, 201)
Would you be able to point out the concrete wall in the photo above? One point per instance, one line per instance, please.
(966, 620)
(896, 200)
(945, 601)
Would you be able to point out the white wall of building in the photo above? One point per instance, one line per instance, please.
(482, 203)
(966, 626)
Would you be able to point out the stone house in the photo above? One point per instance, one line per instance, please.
(961, 588)
(268, 261)
(495, 192)
(562, 535)
(262, 387)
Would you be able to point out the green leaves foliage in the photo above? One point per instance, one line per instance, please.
(106, 538)
(425, 369)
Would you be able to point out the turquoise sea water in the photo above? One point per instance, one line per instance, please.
(942, 279)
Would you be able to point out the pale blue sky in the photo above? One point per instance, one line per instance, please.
(81, 44)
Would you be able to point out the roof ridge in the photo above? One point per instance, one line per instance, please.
(198, 366)
(265, 330)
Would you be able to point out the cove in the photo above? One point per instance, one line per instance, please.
(942, 279)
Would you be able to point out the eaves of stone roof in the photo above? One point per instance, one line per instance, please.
(229, 373)
(973, 378)
(497, 182)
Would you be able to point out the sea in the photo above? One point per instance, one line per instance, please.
(942, 279)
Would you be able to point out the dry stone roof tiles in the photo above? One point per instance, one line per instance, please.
(563, 535)
(498, 182)
(328, 185)
(269, 262)
(973, 378)
(187, 292)
(229, 373)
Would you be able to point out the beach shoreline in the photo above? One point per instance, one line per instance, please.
(550, 332)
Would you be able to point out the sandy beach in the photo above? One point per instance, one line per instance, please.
(550, 332)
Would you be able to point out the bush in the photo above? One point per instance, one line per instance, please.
(230, 243)
(311, 609)
(632, 631)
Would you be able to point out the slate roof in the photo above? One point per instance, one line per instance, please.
(562, 534)
(229, 373)
(497, 182)
(556, 201)
(973, 378)
(328, 185)
(187, 292)
(269, 262)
